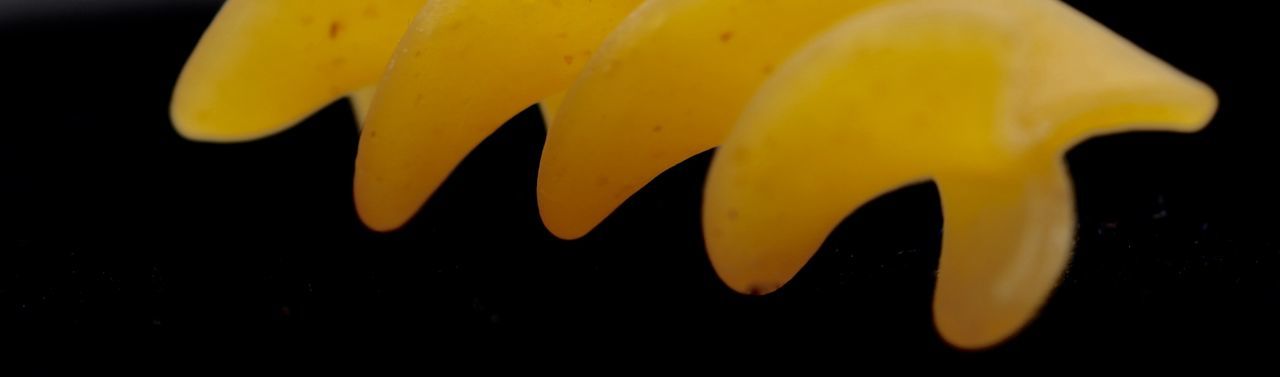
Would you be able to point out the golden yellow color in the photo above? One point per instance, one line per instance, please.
(667, 84)
(265, 65)
(464, 69)
(983, 96)
(821, 106)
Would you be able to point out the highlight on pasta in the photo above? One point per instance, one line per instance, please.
(816, 106)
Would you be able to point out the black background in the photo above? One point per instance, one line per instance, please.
(114, 224)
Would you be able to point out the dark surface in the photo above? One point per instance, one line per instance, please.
(112, 223)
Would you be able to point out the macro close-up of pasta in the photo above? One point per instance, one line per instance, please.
(964, 178)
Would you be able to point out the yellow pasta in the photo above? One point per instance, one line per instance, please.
(265, 65)
(818, 106)
(465, 68)
(982, 96)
